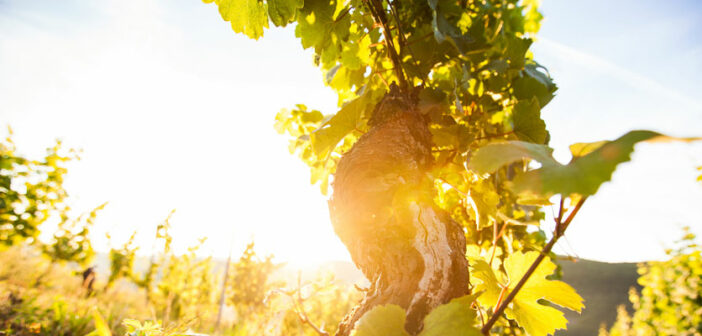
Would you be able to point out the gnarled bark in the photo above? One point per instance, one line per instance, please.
(382, 208)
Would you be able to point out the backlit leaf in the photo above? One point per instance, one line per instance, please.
(528, 124)
(388, 320)
(495, 155)
(455, 318)
(584, 174)
(534, 84)
(592, 164)
(444, 30)
(325, 139)
(246, 16)
(283, 12)
(536, 319)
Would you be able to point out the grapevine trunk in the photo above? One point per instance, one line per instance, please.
(382, 208)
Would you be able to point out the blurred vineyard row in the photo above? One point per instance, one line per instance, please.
(182, 294)
(50, 287)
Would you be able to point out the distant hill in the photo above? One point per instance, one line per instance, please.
(604, 286)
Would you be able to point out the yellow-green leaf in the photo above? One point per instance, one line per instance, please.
(283, 12)
(495, 155)
(536, 319)
(388, 320)
(528, 124)
(534, 84)
(246, 16)
(584, 174)
(592, 164)
(455, 318)
(327, 137)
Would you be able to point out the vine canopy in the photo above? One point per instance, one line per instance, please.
(471, 60)
(468, 64)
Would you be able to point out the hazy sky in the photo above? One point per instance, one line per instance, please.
(175, 111)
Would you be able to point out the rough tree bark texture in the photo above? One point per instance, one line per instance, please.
(382, 208)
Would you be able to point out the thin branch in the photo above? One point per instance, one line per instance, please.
(403, 40)
(560, 210)
(381, 78)
(401, 34)
(494, 242)
(512, 220)
(480, 312)
(302, 316)
(522, 281)
(572, 214)
(504, 290)
(495, 238)
(572, 250)
(300, 310)
(497, 31)
(378, 12)
(560, 229)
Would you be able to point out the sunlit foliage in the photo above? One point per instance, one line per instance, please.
(122, 260)
(30, 190)
(250, 281)
(670, 302)
(186, 287)
(71, 241)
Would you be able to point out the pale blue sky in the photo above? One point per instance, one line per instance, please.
(173, 110)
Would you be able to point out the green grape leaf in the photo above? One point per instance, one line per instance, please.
(444, 30)
(491, 157)
(528, 125)
(592, 164)
(349, 118)
(246, 16)
(387, 320)
(283, 12)
(318, 27)
(534, 84)
(516, 49)
(455, 318)
(327, 136)
(536, 319)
